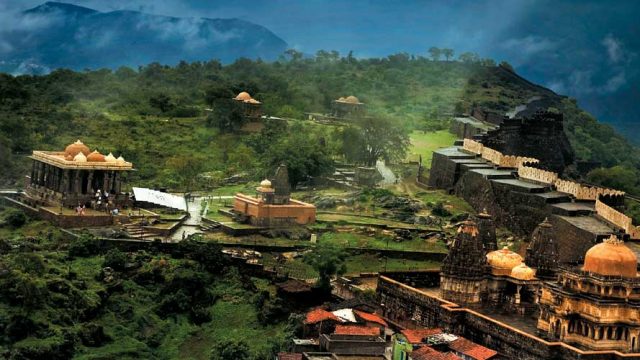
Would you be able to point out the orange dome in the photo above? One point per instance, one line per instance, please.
(352, 99)
(243, 96)
(503, 261)
(74, 149)
(611, 258)
(96, 157)
(523, 272)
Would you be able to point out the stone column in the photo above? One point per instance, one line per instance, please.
(33, 172)
(89, 189)
(76, 182)
(519, 287)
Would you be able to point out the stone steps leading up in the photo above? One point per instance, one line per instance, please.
(573, 208)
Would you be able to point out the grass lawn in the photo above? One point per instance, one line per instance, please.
(373, 263)
(350, 239)
(426, 143)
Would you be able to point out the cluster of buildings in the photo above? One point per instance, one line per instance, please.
(352, 333)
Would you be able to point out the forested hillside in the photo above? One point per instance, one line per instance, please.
(155, 115)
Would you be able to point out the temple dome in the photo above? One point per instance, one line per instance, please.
(110, 158)
(503, 261)
(80, 158)
(523, 272)
(120, 160)
(243, 96)
(265, 183)
(252, 101)
(96, 157)
(352, 99)
(611, 258)
(74, 149)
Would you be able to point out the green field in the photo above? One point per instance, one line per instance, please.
(425, 143)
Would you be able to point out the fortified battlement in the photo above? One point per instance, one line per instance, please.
(519, 194)
(540, 136)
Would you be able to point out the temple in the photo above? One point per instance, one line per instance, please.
(72, 177)
(272, 206)
(249, 107)
(596, 306)
(347, 107)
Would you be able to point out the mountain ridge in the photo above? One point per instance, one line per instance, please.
(59, 35)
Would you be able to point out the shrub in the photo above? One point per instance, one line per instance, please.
(115, 259)
(15, 218)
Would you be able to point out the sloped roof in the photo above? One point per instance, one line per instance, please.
(370, 317)
(472, 349)
(318, 315)
(427, 353)
(357, 330)
(346, 315)
(416, 336)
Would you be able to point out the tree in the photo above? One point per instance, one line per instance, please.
(327, 260)
(294, 55)
(303, 154)
(435, 53)
(115, 259)
(185, 168)
(469, 57)
(372, 139)
(162, 102)
(448, 53)
(230, 350)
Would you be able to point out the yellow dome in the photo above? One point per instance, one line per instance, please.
(352, 99)
(110, 158)
(95, 157)
(611, 258)
(265, 183)
(252, 101)
(80, 158)
(523, 272)
(243, 96)
(77, 147)
(120, 160)
(503, 261)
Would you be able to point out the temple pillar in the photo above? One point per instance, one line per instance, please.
(118, 186)
(65, 180)
(105, 181)
(33, 173)
(519, 287)
(89, 188)
(77, 182)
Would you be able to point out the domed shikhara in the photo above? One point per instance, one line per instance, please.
(503, 261)
(80, 158)
(95, 157)
(468, 227)
(611, 258)
(74, 149)
(110, 158)
(523, 272)
(243, 96)
(265, 183)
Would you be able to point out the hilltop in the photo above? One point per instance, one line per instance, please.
(58, 35)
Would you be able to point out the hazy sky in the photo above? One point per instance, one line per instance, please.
(586, 49)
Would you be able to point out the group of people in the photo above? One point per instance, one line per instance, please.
(101, 202)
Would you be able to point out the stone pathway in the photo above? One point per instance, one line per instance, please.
(387, 174)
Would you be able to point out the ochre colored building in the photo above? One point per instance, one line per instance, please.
(273, 206)
(250, 108)
(596, 306)
(347, 107)
(71, 177)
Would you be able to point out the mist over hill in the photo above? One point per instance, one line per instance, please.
(55, 35)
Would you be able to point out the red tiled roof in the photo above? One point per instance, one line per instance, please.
(289, 356)
(318, 315)
(416, 336)
(357, 330)
(427, 353)
(371, 317)
(472, 349)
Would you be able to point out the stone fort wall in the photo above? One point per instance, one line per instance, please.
(409, 307)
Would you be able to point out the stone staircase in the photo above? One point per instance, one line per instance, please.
(136, 231)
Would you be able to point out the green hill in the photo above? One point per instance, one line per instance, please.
(158, 112)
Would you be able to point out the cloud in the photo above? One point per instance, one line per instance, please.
(581, 82)
(530, 45)
(614, 48)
